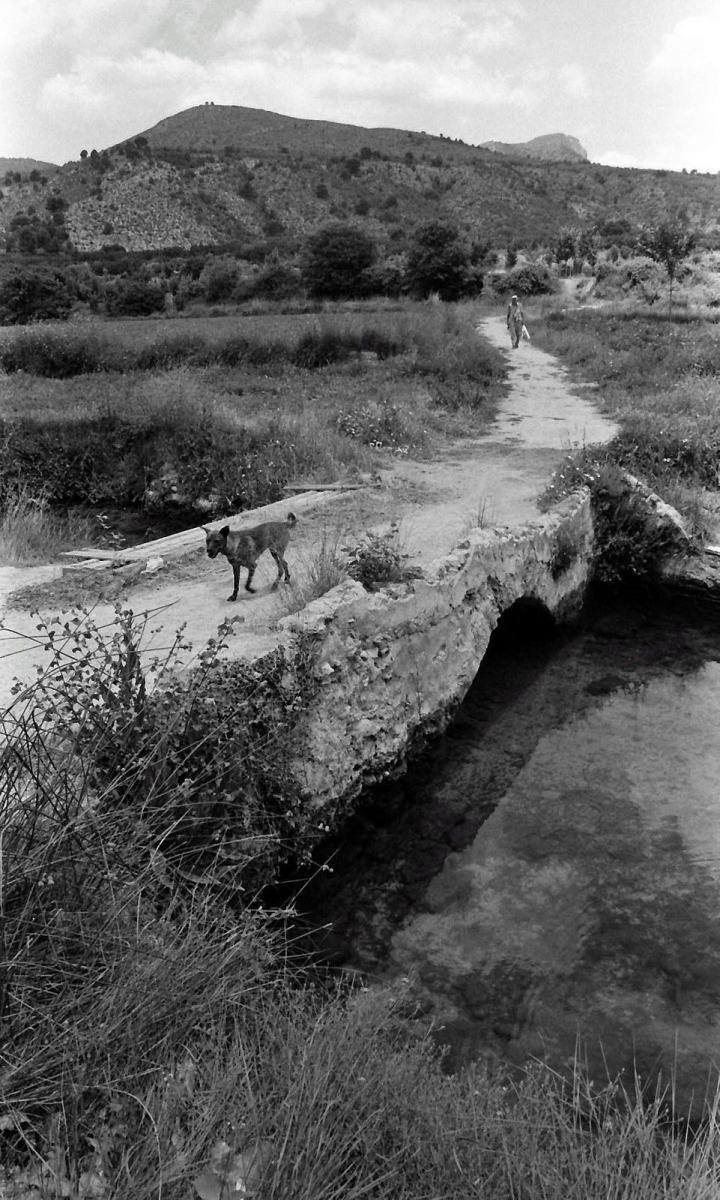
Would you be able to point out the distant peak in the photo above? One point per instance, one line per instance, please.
(551, 147)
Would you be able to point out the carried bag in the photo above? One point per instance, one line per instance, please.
(525, 334)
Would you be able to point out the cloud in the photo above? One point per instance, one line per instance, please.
(72, 24)
(97, 81)
(269, 21)
(102, 72)
(692, 46)
(424, 28)
(618, 158)
(573, 80)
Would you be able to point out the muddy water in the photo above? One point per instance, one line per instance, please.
(549, 873)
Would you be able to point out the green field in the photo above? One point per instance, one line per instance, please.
(225, 411)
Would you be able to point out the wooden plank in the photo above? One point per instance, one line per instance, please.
(108, 554)
(326, 487)
(88, 564)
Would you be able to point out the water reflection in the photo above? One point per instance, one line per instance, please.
(551, 867)
(589, 901)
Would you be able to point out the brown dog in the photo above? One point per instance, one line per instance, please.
(243, 547)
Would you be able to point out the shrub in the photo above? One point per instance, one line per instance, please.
(378, 559)
(382, 425)
(168, 352)
(335, 260)
(133, 298)
(324, 345)
(629, 541)
(35, 295)
(530, 279)
(219, 280)
(387, 278)
(59, 353)
(276, 282)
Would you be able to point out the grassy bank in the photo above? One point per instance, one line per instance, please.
(227, 421)
(658, 378)
(161, 1038)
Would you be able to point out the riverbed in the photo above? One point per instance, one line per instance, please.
(548, 872)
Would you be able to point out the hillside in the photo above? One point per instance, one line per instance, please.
(26, 165)
(549, 147)
(230, 176)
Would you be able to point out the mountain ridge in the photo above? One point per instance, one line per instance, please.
(229, 176)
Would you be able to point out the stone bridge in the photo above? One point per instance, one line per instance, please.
(393, 665)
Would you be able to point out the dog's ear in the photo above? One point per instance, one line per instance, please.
(205, 529)
(224, 531)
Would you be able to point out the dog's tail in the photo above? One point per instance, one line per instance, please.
(291, 519)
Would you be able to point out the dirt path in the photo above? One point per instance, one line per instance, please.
(497, 479)
(492, 480)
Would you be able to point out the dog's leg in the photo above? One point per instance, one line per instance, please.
(248, 581)
(236, 580)
(278, 563)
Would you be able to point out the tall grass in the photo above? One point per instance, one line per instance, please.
(226, 423)
(658, 379)
(436, 332)
(317, 573)
(161, 1036)
(30, 532)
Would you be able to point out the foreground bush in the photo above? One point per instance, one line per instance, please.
(159, 1038)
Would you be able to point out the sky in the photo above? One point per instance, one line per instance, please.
(637, 83)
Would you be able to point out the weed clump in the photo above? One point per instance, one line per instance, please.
(378, 559)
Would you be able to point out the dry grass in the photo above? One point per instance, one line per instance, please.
(318, 572)
(30, 532)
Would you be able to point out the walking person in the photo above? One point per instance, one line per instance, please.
(515, 321)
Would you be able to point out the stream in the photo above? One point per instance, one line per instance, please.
(548, 871)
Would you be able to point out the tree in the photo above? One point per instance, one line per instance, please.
(669, 244)
(335, 261)
(35, 295)
(439, 261)
(587, 250)
(565, 246)
(134, 298)
(219, 279)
